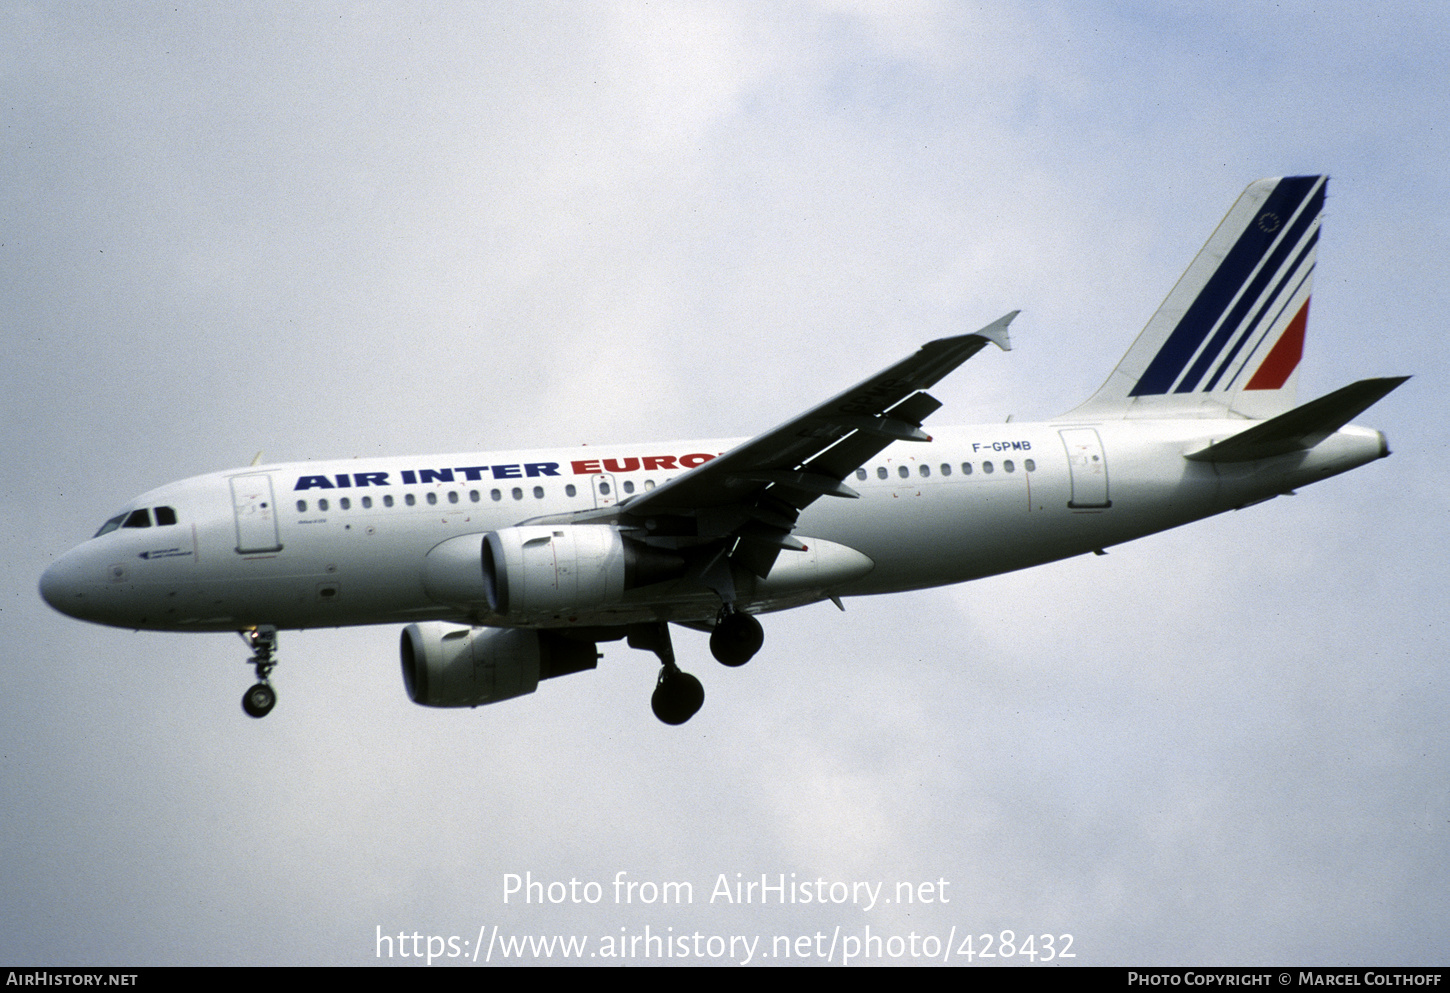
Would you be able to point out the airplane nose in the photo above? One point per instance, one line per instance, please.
(60, 586)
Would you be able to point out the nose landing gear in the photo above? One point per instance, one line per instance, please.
(259, 700)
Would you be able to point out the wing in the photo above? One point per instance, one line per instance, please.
(743, 506)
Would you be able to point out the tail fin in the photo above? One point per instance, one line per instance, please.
(1228, 339)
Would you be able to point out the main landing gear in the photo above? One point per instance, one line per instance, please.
(259, 700)
(736, 638)
(678, 696)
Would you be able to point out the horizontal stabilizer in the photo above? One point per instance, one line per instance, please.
(1301, 428)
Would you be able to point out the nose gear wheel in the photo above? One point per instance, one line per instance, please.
(259, 700)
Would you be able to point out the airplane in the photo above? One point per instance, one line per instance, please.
(509, 568)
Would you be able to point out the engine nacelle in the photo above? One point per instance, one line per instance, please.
(536, 573)
(539, 571)
(449, 665)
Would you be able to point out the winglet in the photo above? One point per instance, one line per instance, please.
(996, 332)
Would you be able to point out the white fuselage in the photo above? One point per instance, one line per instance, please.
(321, 544)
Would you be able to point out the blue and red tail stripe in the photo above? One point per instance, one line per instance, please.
(1244, 299)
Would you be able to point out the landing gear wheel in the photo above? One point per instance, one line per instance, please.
(678, 696)
(259, 700)
(736, 638)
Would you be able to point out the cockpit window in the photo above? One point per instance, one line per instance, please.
(110, 525)
(165, 516)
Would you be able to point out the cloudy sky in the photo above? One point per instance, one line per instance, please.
(362, 229)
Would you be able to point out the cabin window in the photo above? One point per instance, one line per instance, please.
(1009, 466)
(410, 499)
(604, 488)
(946, 468)
(1029, 465)
(966, 468)
(538, 493)
(571, 490)
(473, 496)
(987, 467)
(452, 496)
(301, 506)
(344, 504)
(495, 495)
(367, 503)
(903, 471)
(925, 471)
(388, 500)
(629, 486)
(518, 493)
(649, 484)
(321, 504)
(860, 473)
(432, 499)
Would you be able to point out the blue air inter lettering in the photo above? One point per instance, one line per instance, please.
(414, 477)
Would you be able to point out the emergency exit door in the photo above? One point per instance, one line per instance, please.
(1088, 466)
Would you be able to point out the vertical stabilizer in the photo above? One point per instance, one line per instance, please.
(1230, 335)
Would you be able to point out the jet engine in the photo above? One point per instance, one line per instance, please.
(449, 665)
(535, 573)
